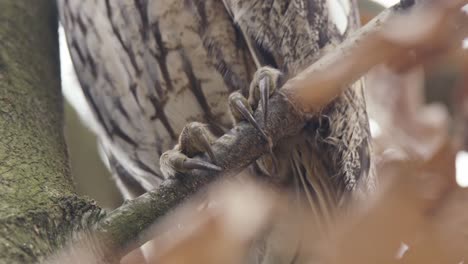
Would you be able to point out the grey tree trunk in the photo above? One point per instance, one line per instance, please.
(38, 204)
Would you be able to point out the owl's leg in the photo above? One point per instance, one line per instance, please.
(194, 139)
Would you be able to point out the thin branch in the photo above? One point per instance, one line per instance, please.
(403, 41)
(316, 86)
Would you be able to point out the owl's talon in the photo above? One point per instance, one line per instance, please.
(264, 87)
(195, 139)
(241, 110)
(191, 164)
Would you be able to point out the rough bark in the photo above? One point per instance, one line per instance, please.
(38, 205)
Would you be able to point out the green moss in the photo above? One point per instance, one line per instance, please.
(33, 160)
(38, 205)
(31, 236)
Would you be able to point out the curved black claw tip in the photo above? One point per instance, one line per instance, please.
(264, 87)
(190, 164)
(208, 149)
(249, 117)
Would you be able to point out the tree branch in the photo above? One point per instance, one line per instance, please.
(298, 99)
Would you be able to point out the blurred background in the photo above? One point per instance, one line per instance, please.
(93, 179)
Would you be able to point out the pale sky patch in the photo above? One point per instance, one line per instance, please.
(461, 164)
(387, 3)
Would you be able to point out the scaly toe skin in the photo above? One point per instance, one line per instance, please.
(241, 111)
(263, 85)
(194, 139)
(174, 161)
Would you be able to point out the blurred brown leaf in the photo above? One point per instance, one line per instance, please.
(219, 231)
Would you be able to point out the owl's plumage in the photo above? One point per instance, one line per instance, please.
(148, 67)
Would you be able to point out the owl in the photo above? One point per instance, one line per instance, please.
(162, 79)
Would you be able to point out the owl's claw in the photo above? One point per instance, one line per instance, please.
(191, 164)
(194, 139)
(174, 161)
(241, 110)
(264, 88)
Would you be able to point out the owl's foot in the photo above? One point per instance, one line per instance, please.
(194, 139)
(242, 111)
(262, 87)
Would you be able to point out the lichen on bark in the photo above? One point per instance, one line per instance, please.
(38, 205)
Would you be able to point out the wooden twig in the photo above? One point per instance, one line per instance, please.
(404, 41)
(299, 98)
